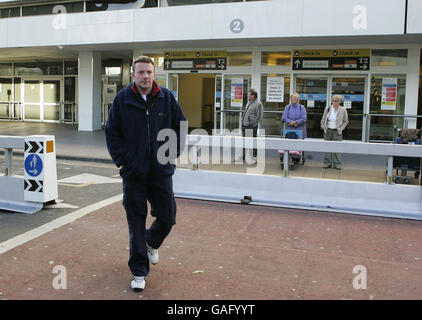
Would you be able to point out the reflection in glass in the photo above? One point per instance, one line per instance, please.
(389, 57)
(51, 99)
(382, 128)
(271, 121)
(352, 90)
(235, 99)
(276, 58)
(313, 95)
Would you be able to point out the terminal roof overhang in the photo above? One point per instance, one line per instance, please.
(125, 50)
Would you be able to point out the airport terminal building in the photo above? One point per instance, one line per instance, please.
(64, 61)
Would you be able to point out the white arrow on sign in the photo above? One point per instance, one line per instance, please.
(297, 63)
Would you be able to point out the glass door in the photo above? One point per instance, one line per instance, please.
(235, 88)
(353, 92)
(6, 107)
(51, 100)
(32, 100)
(313, 95)
(173, 84)
(217, 104)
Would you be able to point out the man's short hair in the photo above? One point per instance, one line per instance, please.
(253, 93)
(144, 59)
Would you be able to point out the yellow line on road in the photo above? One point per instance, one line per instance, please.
(76, 185)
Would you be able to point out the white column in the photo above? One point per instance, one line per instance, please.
(412, 85)
(89, 91)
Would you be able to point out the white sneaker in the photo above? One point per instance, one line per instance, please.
(152, 255)
(138, 283)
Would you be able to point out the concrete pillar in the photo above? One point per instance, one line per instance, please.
(126, 79)
(89, 91)
(412, 84)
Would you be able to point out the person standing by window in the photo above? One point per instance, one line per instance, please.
(250, 120)
(334, 121)
(294, 115)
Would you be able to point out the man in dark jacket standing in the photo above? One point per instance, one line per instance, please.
(138, 114)
(250, 119)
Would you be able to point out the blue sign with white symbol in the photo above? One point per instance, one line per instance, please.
(33, 165)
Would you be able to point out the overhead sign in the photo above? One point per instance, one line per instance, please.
(332, 59)
(195, 60)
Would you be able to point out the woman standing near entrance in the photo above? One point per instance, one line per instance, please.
(333, 122)
(294, 115)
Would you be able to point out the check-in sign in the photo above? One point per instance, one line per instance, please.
(331, 59)
(195, 60)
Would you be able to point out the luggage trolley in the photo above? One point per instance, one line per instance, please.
(404, 164)
(296, 157)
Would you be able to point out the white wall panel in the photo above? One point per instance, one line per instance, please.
(35, 31)
(414, 16)
(3, 32)
(353, 17)
(170, 23)
(100, 27)
(261, 19)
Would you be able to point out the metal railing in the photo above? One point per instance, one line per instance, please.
(104, 111)
(9, 143)
(68, 112)
(13, 110)
(196, 142)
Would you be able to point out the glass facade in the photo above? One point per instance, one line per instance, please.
(45, 9)
(274, 103)
(10, 12)
(389, 57)
(165, 3)
(276, 58)
(386, 105)
(32, 90)
(237, 59)
(39, 68)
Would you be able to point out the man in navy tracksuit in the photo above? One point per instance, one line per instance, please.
(136, 117)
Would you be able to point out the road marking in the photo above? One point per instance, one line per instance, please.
(76, 185)
(56, 223)
(60, 206)
(89, 178)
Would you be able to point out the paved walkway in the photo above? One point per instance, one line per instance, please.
(225, 251)
(217, 251)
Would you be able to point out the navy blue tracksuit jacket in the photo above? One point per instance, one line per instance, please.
(131, 136)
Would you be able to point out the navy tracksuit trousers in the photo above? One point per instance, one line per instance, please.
(158, 191)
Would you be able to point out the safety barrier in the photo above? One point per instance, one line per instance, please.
(380, 199)
(27, 194)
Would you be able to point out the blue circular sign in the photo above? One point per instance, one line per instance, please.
(33, 165)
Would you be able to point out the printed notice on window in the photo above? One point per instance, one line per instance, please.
(389, 94)
(275, 89)
(237, 93)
